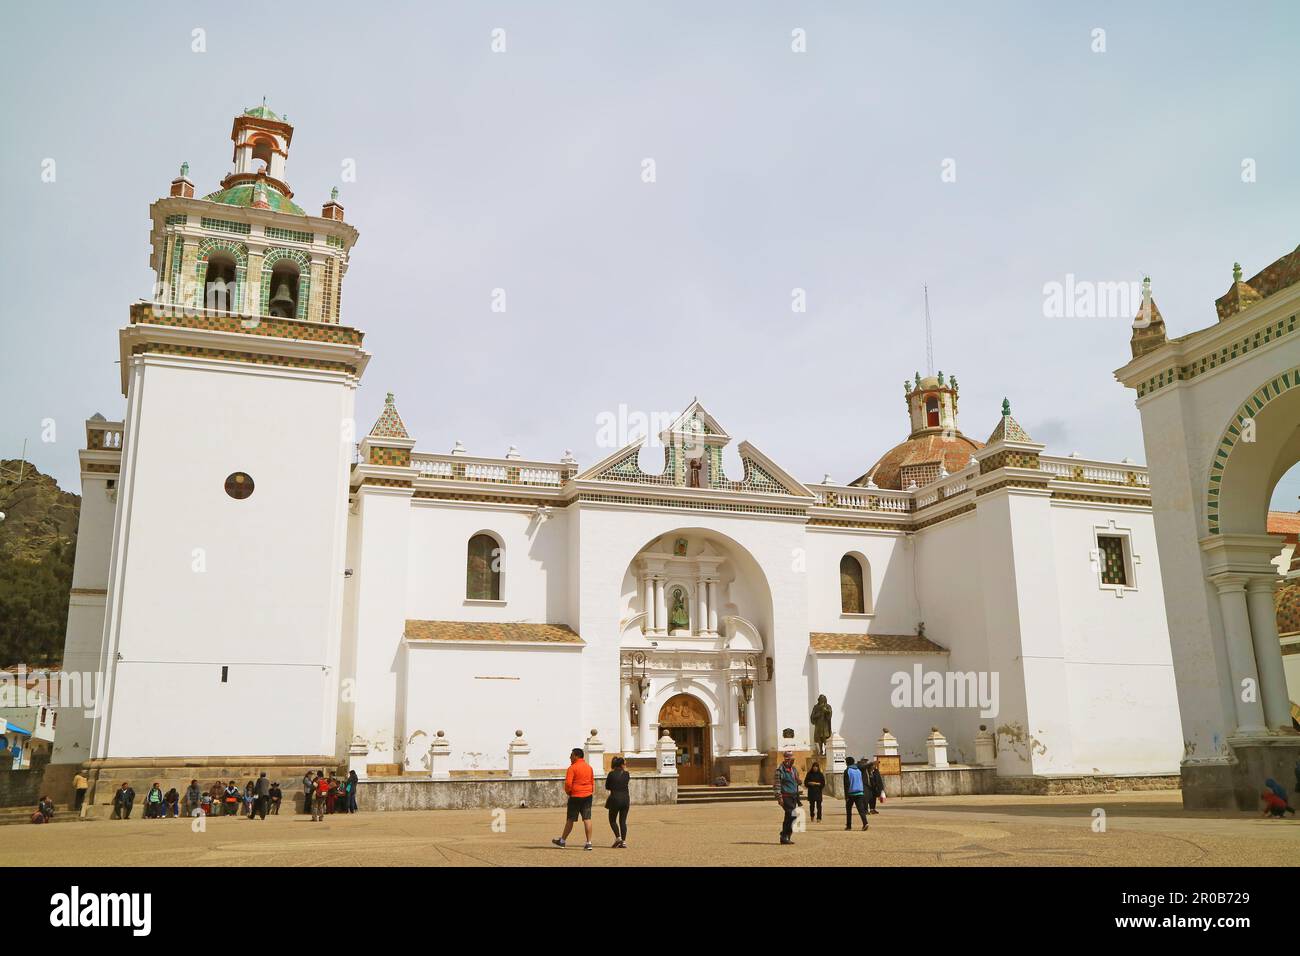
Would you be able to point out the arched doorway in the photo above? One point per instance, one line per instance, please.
(686, 719)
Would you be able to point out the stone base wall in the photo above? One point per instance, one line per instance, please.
(108, 774)
(1237, 782)
(1086, 783)
(21, 788)
(504, 792)
(942, 782)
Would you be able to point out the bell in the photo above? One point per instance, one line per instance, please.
(281, 304)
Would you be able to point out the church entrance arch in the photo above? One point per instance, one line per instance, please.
(685, 718)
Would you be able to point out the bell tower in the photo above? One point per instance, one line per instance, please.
(932, 404)
(224, 605)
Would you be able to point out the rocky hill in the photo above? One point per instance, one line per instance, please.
(37, 543)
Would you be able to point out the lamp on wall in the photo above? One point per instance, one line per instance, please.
(747, 682)
(642, 681)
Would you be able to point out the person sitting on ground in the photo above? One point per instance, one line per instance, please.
(153, 803)
(1275, 802)
(232, 799)
(45, 807)
(277, 797)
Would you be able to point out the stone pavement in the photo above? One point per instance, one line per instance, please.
(1149, 829)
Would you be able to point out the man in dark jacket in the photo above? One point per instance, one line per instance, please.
(123, 801)
(873, 784)
(261, 796)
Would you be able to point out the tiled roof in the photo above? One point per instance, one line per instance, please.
(1284, 522)
(261, 112)
(1273, 278)
(1008, 429)
(954, 451)
(389, 424)
(900, 644)
(478, 631)
(242, 195)
(1286, 601)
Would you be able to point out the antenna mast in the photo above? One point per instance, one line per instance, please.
(929, 340)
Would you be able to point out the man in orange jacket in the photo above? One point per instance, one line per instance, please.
(579, 784)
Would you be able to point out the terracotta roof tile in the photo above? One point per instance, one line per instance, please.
(479, 631)
(901, 644)
(925, 448)
(1284, 522)
(1286, 600)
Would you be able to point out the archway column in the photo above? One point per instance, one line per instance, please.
(733, 717)
(644, 742)
(1268, 650)
(1241, 651)
(751, 723)
(625, 741)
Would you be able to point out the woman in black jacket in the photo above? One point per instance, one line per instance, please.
(618, 802)
(816, 783)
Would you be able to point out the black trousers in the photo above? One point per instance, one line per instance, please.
(814, 803)
(81, 798)
(618, 821)
(854, 801)
(871, 801)
(788, 805)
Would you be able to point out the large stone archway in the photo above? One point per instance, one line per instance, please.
(694, 623)
(1220, 414)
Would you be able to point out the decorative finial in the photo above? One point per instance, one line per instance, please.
(1236, 272)
(334, 194)
(1006, 408)
(918, 379)
(941, 376)
(907, 387)
(953, 382)
(185, 170)
(389, 399)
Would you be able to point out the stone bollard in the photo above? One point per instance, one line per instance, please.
(887, 745)
(518, 752)
(985, 751)
(440, 757)
(595, 750)
(667, 750)
(358, 757)
(936, 748)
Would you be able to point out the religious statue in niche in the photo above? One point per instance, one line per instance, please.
(679, 619)
(821, 721)
(695, 465)
(679, 547)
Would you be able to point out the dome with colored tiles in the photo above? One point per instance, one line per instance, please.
(246, 194)
(261, 112)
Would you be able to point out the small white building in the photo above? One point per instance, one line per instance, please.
(249, 591)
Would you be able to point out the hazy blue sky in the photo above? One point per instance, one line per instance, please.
(775, 170)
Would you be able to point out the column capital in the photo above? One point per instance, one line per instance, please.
(1229, 581)
(1263, 582)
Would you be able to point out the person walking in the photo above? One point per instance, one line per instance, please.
(873, 784)
(786, 786)
(80, 785)
(815, 783)
(353, 780)
(193, 798)
(579, 784)
(308, 790)
(261, 796)
(854, 796)
(618, 802)
(319, 796)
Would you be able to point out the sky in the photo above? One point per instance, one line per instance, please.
(982, 151)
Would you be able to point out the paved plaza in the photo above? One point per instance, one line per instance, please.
(1140, 829)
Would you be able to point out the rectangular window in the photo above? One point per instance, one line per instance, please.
(225, 672)
(1114, 565)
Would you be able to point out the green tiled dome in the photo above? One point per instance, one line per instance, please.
(242, 195)
(261, 112)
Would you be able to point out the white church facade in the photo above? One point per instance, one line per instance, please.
(259, 581)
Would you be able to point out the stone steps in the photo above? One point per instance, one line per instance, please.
(11, 816)
(734, 794)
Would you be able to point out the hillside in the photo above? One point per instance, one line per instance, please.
(37, 544)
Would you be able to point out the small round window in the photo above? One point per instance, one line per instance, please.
(239, 485)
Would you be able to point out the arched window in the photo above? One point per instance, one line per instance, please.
(283, 303)
(483, 569)
(932, 412)
(263, 146)
(853, 593)
(219, 283)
